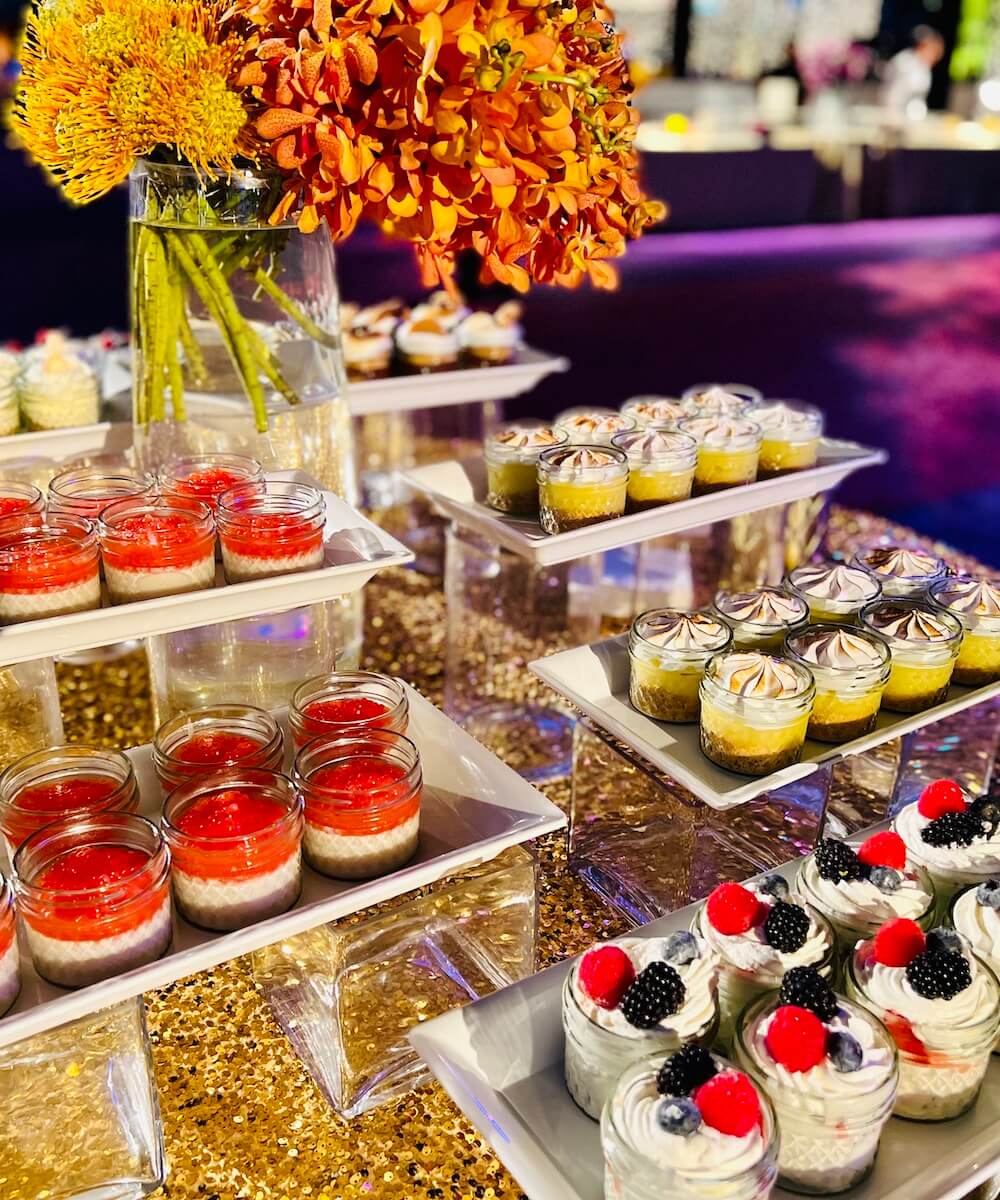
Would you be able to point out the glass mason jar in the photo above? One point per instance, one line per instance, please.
(980, 925)
(10, 962)
(511, 455)
(834, 591)
(580, 485)
(157, 548)
(792, 431)
(64, 782)
(902, 571)
(98, 929)
(630, 1175)
(668, 651)
(22, 507)
(660, 466)
(270, 529)
(213, 738)
(761, 619)
(362, 803)
(85, 492)
(235, 838)
(50, 571)
(205, 477)
(715, 399)
(347, 704)
(661, 411)
(975, 604)
(728, 450)
(828, 1142)
(849, 681)
(235, 327)
(924, 643)
(592, 426)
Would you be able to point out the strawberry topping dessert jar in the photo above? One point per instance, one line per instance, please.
(270, 529)
(50, 571)
(85, 492)
(213, 738)
(10, 963)
(157, 548)
(347, 704)
(22, 508)
(205, 477)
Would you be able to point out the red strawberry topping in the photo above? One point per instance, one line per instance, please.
(940, 797)
(905, 1038)
(728, 1102)
(883, 850)
(605, 974)
(898, 942)
(796, 1038)
(733, 909)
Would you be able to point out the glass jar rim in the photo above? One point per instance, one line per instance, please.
(81, 532)
(742, 391)
(133, 506)
(858, 560)
(346, 749)
(812, 423)
(190, 464)
(34, 495)
(802, 674)
(814, 900)
(940, 586)
(139, 483)
(68, 752)
(250, 499)
(794, 586)
(346, 681)
(951, 622)
(746, 430)
(127, 821)
(685, 451)
(723, 596)
(497, 450)
(232, 778)
(193, 721)
(642, 639)
(254, 178)
(617, 461)
(824, 627)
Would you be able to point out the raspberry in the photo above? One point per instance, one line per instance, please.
(805, 987)
(729, 1103)
(836, 861)
(605, 974)
(940, 797)
(939, 974)
(657, 992)
(732, 909)
(686, 1070)
(786, 927)
(883, 850)
(898, 942)
(796, 1038)
(952, 829)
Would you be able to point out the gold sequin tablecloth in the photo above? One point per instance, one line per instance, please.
(242, 1118)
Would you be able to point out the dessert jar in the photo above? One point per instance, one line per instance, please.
(491, 339)
(593, 426)
(663, 412)
(235, 836)
(85, 492)
(644, 1161)
(660, 466)
(580, 485)
(427, 343)
(958, 845)
(850, 668)
(362, 803)
(668, 651)
(158, 548)
(835, 592)
(274, 529)
(728, 448)
(63, 782)
(944, 1044)
(205, 477)
(975, 604)
(57, 389)
(367, 336)
(754, 711)
(792, 432)
(975, 913)
(720, 399)
(924, 643)
(94, 896)
(10, 961)
(831, 1113)
(347, 704)
(50, 571)
(601, 1039)
(902, 571)
(22, 508)
(215, 737)
(10, 412)
(511, 456)
(761, 618)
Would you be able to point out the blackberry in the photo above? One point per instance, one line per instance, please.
(655, 993)
(807, 988)
(686, 1070)
(952, 829)
(786, 927)
(837, 861)
(939, 974)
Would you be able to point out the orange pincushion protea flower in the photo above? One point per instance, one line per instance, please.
(483, 124)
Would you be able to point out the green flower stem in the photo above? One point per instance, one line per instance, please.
(157, 304)
(267, 364)
(288, 306)
(192, 351)
(175, 376)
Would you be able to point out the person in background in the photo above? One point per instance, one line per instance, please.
(907, 79)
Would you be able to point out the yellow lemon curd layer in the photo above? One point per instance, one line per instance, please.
(777, 455)
(836, 708)
(821, 616)
(725, 466)
(659, 487)
(908, 683)
(753, 740)
(681, 686)
(575, 500)
(979, 652)
(771, 643)
(513, 481)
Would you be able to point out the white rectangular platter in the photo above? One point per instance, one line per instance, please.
(473, 807)
(595, 679)
(501, 1061)
(355, 550)
(458, 491)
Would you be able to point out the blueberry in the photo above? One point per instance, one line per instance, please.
(946, 940)
(886, 879)
(773, 885)
(988, 812)
(679, 1115)
(845, 1051)
(988, 894)
(681, 948)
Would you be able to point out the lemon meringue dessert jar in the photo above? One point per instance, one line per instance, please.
(593, 426)
(728, 448)
(762, 618)
(924, 643)
(661, 411)
(511, 456)
(668, 651)
(580, 485)
(792, 432)
(835, 592)
(661, 466)
(850, 668)
(902, 571)
(975, 604)
(754, 711)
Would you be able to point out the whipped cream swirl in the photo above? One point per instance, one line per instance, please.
(838, 649)
(981, 855)
(835, 581)
(971, 596)
(939, 1022)
(911, 624)
(761, 676)
(859, 902)
(752, 953)
(720, 431)
(765, 606)
(980, 924)
(900, 562)
(673, 630)
(652, 446)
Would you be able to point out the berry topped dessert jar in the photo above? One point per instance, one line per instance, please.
(975, 913)
(690, 1126)
(835, 592)
(955, 838)
(626, 999)
(362, 803)
(215, 737)
(347, 704)
(792, 431)
(94, 895)
(235, 836)
(760, 932)
(902, 571)
(728, 449)
(273, 529)
(975, 603)
(62, 782)
(668, 651)
(924, 643)
(830, 1069)
(593, 426)
(860, 887)
(660, 466)
(205, 477)
(511, 455)
(50, 571)
(940, 1002)
(580, 485)
(660, 411)
(762, 618)
(157, 548)
(85, 492)
(850, 668)
(22, 508)
(10, 963)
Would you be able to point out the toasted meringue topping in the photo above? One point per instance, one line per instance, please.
(378, 318)
(649, 445)
(682, 631)
(596, 422)
(977, 597)
(577, 459)
(788, 420)
(834, 581)
(910, 624)
(766, 606)
(840, 649)
(761, 675)
(718, 431)
(655, 410)
(521, 437)
(900, 562)
(715, 400)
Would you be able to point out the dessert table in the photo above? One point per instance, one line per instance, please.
(241, 1116)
